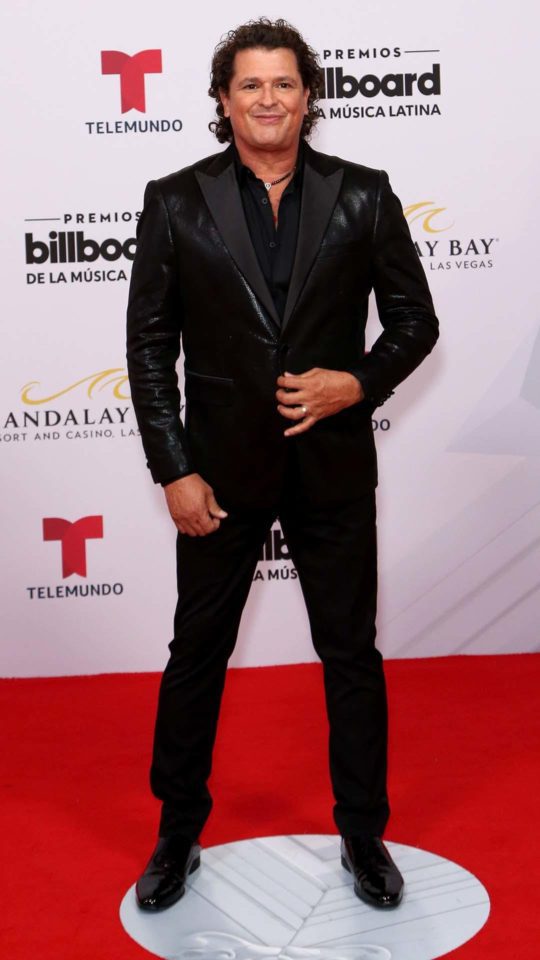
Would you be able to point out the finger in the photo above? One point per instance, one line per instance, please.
(306, 373)
(197, 526)
(291, 378)
(294, 396)
(291, 381)
(293, 413)
(300, 427)
(202, 525)
(217, 524)
(187, 530)
(183, 526)
(214, 508)
(207, 525)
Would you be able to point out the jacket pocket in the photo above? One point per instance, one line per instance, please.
(339, 249)
(204, 388)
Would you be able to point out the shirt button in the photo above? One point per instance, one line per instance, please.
(272, 244)
(264, 200)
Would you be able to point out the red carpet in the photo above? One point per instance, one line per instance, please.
(78, 821)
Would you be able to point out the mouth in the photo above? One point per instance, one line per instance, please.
(268, 117)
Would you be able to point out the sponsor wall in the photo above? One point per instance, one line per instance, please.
(96, 106)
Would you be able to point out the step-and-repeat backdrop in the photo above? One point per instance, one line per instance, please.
(101, 98)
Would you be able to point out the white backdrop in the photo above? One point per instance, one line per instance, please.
(459, 498)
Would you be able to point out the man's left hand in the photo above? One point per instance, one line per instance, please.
(317, 393)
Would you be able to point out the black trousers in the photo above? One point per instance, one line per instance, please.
(334, 551)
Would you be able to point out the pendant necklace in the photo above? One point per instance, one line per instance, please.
(272, 183)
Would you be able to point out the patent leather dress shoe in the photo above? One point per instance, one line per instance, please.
(164, 879)
(377, 880)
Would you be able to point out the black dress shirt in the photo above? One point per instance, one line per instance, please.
(275, 246)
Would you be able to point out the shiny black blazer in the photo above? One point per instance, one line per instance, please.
(196, 279)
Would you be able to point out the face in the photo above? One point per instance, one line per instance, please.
(266, 101)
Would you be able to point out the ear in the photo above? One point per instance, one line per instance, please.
(223, 96)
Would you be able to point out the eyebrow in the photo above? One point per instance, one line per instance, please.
(258, 79)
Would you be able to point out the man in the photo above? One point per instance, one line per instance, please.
(262, 258)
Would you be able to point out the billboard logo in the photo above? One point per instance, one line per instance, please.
(273, 552)
(368, 91)
(132, 72)
(73, 537)
(337, 86)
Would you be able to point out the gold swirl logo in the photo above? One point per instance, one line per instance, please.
(115, 377)
(427, 212)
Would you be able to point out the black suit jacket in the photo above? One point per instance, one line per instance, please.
(196, 277)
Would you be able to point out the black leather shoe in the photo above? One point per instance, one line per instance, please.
(164, 880)
(377, 880)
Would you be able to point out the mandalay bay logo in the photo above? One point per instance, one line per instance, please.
(440, 246)
(93, 407)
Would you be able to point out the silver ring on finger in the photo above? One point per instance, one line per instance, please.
(304, 409)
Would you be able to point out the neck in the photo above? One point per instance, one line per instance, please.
(268, 164)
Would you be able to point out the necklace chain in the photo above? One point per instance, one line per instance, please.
(272, 183)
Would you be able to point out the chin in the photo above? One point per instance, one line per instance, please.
(271, 139)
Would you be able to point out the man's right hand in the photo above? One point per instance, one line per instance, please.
(192, 506)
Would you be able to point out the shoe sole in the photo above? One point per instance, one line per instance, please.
(362, 895)
(156, 908)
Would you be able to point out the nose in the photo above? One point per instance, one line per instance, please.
(267, 97)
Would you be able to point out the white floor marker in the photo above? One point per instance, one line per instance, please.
(289, 898)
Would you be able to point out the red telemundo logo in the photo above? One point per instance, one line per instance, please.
(132, 71)
(73, 537)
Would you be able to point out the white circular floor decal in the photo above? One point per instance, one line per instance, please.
(289, 898)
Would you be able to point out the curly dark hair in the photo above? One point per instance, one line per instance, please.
(270, 35)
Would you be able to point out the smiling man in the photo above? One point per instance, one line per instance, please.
(260, 260)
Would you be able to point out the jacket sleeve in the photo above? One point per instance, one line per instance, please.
(405, 307)
(154, 318)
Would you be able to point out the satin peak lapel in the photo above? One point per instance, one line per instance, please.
(319, 197)
(225, 204)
